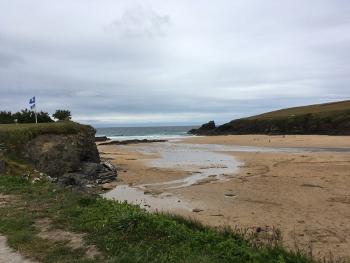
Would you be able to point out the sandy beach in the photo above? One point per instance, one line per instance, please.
(302, 192)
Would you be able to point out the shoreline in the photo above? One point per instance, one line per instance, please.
(293, 141)
(302, 194)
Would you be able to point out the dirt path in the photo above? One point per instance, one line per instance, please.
(8, 255)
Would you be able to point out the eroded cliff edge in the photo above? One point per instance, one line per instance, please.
(64, 152)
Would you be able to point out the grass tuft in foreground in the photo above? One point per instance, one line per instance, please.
(120, 232)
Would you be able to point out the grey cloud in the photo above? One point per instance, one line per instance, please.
(172, 62)
(7, 60)
(140, 21)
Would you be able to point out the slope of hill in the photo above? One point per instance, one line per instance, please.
(329, 118)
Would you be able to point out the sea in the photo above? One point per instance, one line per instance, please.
(131, 133)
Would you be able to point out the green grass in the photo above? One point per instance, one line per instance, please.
(326, 108)
(15, 136)
(327, 119)
(121, 232)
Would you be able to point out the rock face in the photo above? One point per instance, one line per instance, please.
(58, 154)
(89, 174)
(205, 129)
(69, 159)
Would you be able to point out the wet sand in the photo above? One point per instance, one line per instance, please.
(319, 141)
(303, 193)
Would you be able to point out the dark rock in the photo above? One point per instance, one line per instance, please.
(89, 175)
(73, 179)
(204, 129)
(131, 142)
(91, 169)
(101, 138)
(56, 154)
(2, 167)
(109, 166)
(70, 159)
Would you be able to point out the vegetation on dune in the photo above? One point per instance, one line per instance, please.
(120, 232)
(330, 119)
(15, 136)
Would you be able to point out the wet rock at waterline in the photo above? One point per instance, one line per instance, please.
(101, 138)
(135, 141)
(90, 175)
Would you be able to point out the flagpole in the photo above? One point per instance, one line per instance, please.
(33, 108)
(36, 116)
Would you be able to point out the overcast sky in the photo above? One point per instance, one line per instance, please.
(172, 62)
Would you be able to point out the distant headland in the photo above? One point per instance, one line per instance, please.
(326, 119)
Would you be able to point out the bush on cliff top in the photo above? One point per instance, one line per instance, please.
(15, 136)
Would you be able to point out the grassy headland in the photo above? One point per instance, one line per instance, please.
(14, 136)
(328, 119)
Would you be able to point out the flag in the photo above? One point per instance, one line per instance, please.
(32, 100)
(32, 106)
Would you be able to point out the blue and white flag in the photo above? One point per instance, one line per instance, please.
(32, 100)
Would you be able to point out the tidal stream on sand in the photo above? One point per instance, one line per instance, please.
(205, 163)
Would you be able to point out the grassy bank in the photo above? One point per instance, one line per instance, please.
(120, 232)
(328, 119)
(16, 135)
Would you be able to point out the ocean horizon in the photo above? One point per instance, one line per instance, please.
(155, 132)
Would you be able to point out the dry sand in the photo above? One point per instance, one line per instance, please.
(305, 195)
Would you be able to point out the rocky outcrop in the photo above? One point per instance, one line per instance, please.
(326, 119)
(89, 174)
(101, 138)
(70, 159)
(135, 141)
(205, 129)
(56, 155)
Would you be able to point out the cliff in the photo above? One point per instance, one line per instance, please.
(327, 119)
(66, 152)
